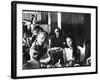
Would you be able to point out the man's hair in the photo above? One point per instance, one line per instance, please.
(44, 33)
(38, 28)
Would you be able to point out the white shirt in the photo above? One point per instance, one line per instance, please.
(69, 53)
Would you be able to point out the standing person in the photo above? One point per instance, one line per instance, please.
(36, 52)
(33, 19)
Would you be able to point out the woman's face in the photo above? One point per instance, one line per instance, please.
(69, 42)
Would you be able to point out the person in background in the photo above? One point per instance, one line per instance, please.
(88, 52)
(33, 19)
(26, 46)
(36, 52)
(85, 56)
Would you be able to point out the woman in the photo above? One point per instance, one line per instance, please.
(70, 51)
(56, 51)
(57, 40)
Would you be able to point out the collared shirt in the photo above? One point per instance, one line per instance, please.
(69, 53)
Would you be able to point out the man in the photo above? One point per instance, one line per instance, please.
(36, 52)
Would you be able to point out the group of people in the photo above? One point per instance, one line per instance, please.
(42, 50)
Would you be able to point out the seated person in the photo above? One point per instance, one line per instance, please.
(36, 52)
(56, 57)
(70, 51)
(57, 40)
(85, 53)
(56, 52)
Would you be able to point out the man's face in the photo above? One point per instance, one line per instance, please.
(40, 39)
(69, 41)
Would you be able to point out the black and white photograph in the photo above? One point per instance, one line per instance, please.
(54, 39)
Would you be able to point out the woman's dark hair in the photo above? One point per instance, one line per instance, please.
(74, 46)
(72, 38)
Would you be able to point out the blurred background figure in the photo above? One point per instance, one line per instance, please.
(33, 19)
(26, 46)
(85, 54)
